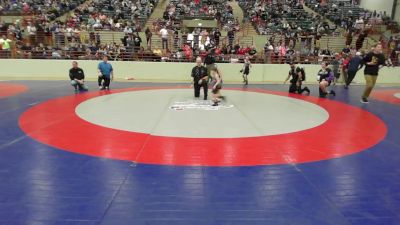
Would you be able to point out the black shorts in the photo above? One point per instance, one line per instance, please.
(246, 71)
(293, 88)
(215, 91)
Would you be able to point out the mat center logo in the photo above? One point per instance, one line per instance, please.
(199, 105)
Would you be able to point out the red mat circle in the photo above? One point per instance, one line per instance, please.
(386, 96)
(9, 89)
(347, 131)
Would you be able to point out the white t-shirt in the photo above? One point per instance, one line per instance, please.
(164, 33)
(128, 30)
(31, 30)
(69, 31)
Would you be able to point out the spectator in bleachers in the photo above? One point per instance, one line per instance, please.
(50, 8)
(5, 43)
(25, 51)
(148, 37)
(128, 30)
(346, 50)
(252, 51)
(176, 38)
(282, 52)
(5, 47)
(32, 31)
(164, 37)
(216, 35)
(349, 37)
(217, 9)
(137, 41)
(345, 65)
(209, 61)
(231, 36)
(3, 26)
(56, 54)
(268, 51)
(325, 54)
(359, 24)
(360, 40)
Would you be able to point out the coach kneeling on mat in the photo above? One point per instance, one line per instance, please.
(77, 77)
(106, 74)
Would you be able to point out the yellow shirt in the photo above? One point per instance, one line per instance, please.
(5, 43)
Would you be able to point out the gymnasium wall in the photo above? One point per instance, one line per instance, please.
(163, 72)
(378, 5)
(397, 12)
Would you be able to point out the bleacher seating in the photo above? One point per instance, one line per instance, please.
(114, 15)
(219, 10)
(97, 27)
(345, 14)
(270, 18)
(50, 8)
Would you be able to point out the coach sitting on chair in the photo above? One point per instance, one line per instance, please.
(199, 79)
(77, 77)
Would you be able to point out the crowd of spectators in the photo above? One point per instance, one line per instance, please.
(112, 15)
(58, 40)
(219, 10)
(349, 15)
(271, 17)
(48, 8)
(223, 53)
(31, 34)
(392, 52)
(189, 43)
(93, 15)
(82, 51)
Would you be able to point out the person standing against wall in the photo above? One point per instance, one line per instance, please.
(373, 61)
(106, 74)
(164, 38)
(246, 70)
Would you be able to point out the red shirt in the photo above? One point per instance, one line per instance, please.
(346, 63)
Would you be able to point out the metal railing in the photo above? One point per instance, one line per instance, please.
(163, 56)
(51, 41)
